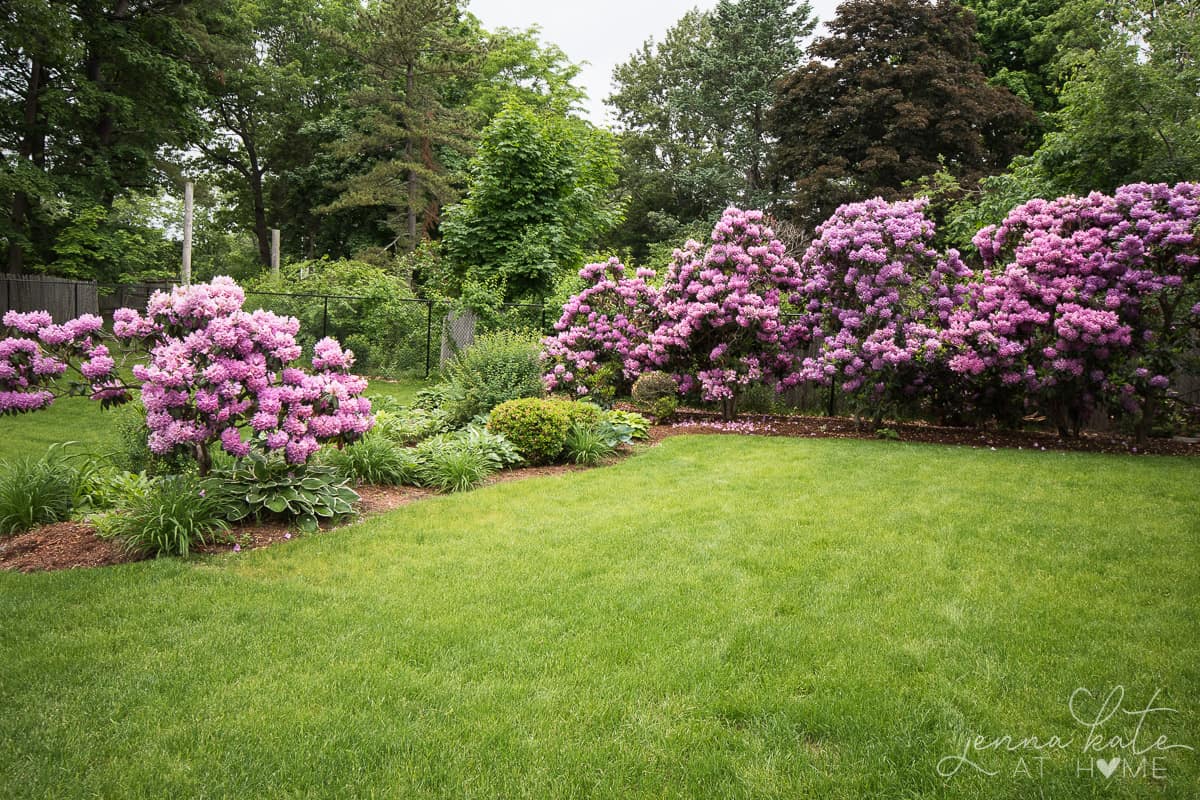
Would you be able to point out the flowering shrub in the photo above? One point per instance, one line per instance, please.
(721, 308)
(876, 292)
(1082, 303)
(1094, 302)
(214, 373)
(37, 353)
(603, 334)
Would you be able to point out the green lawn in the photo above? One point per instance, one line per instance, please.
(716, 617)
(81, 420)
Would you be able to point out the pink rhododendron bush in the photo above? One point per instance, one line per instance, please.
(1076, 304)
(717, 323)
(879, 294)
(211, 373)
(604, 333)
(1085, 302)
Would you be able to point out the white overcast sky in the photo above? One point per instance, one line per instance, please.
(603, 34)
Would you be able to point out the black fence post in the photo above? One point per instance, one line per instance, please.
(428, 337)
(832, 399)
(325, 318)
(76, 285)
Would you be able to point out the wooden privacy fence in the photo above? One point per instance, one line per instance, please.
(62, 297)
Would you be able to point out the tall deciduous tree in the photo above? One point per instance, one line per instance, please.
(1130, 108)
(692, 112)
(268, 75)
(894, 91)
(541, 189)
(90, 94)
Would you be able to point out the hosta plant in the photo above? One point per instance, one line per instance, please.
(260, 487)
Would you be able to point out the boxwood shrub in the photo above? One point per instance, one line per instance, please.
(536, 427)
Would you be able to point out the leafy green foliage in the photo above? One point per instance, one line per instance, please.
(588, 444)
(1129, 111)
(1019, 41)
(36, 491)
(497, 367)
(385, 326)
(261, 488)
(171, 519)
(132, 452)
(536, 427)
(639, 426)
(406, 426)
(540, 190)
(104, 489)
(374, 460)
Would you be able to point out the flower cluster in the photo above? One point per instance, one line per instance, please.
(721, 308)
(877, 293)
(36, 354)
(214, 373)
(1087, 301)
(608, 324)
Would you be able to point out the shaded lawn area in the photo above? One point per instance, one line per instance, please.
(77, 419)
(716, 617)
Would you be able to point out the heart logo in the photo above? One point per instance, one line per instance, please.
(1107, 768)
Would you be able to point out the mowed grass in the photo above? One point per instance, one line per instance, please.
(716, 617)
(77, 419)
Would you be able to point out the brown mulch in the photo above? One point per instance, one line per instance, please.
(63, 545)
(842, 428)
(70, 545)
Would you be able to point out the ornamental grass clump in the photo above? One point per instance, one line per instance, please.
(35, 491)
(171, 519)
(589, 444)
(374, 460)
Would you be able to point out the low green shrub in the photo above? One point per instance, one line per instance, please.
(36, 491)
(175, 516)
(498, 367)
(536, 427)
(663, 409)
(262, 488)
(652, 385)
(588, 444)
(582, 412)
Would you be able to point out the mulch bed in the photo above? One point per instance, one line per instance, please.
(842, 428)
(63, 545)
(70, 545)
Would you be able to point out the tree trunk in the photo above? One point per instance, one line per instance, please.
(1145, 424)
(729, 408)
(261, 231)
(410, 79)
(203, 459)
(33, 149)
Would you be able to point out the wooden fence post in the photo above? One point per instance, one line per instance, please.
(187, 233)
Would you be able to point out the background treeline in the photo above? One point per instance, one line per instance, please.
(404, 133)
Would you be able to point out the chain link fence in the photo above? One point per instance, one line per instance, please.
(390, 336)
